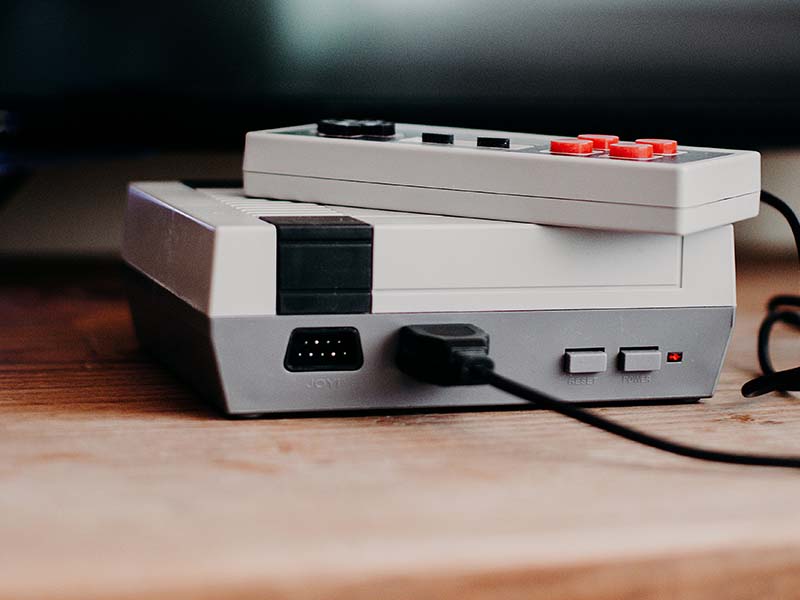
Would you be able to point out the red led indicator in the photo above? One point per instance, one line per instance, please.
(673, 357)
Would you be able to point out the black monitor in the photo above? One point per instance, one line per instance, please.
(201, 73)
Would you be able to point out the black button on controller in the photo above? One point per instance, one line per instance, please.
(375, 128)
(493, 142)
(355, 128)
(437, 138)
(340, 127)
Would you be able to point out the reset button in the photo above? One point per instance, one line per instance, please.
(585, 361)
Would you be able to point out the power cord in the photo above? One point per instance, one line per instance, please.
(458, 354)
(779, 310)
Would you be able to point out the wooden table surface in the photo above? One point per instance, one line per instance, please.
(116, 483)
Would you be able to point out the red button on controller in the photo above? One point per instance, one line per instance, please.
(600, 141)
(630, 150)
(660, 146)
(571, 146)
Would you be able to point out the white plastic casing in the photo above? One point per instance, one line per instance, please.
(699, 189)
(210, 249)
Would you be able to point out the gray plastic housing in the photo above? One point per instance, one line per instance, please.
(237, 361)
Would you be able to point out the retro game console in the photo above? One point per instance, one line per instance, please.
(593, 181)
(271, 306)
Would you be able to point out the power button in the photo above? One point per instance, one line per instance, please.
(640, 359)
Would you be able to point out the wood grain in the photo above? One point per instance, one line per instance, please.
(116, 483)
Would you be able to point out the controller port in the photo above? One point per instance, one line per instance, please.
(324, 349)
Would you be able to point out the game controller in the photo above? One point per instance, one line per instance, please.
(588, 181)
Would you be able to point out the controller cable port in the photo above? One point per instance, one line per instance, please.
(324, 349)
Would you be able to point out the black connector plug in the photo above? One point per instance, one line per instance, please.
(445, 354)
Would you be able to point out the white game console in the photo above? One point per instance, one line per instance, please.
(593, 181)
(272, 306)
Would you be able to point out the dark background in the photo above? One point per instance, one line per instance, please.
(204, 72)
(94, 94)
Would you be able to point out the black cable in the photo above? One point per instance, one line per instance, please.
(788, 214)
(777, 301)
(771, 380)
(458, 354)
(589, 418)
(781, 381)
(786, 380)
(774, 316)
